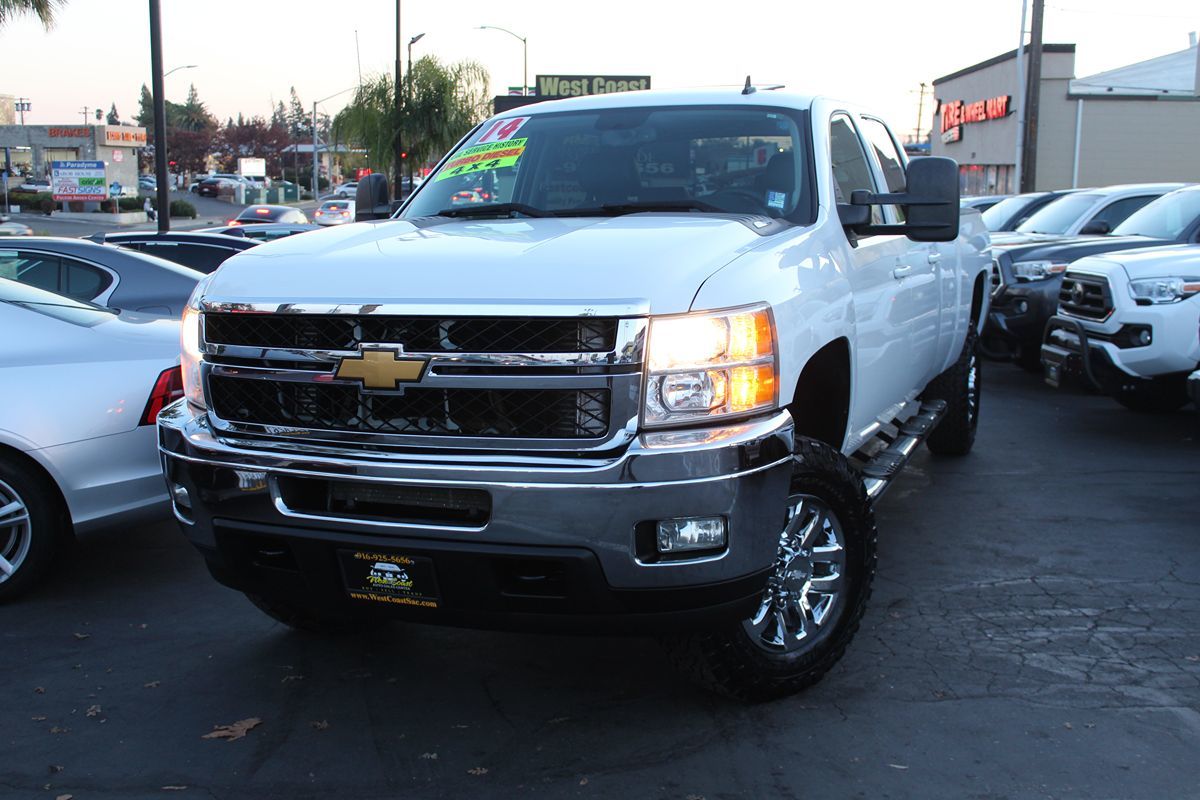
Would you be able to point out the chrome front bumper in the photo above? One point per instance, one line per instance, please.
(739, 471)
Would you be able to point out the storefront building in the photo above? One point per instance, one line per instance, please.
(1133, 124)
(32, 148)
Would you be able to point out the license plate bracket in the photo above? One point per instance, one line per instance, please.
(390, 578)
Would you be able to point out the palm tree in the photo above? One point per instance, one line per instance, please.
(440, 104)
(44, 9)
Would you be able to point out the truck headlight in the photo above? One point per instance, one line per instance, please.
(1037, 270)
(190, 352)
(1155, 291)
(711, 364)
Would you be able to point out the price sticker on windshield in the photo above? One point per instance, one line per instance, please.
(502, 130)
(483, 157)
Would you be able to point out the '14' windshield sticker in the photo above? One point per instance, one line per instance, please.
(502, 130)
(483, 157)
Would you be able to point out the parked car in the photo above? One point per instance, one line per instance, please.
(335, 212)
(269, 213)
(35, 185)
(1092, 212)
(147, 183)
(590, 401)
(80, 387)
(105, 275)
(1010, 212)
(347, 189)
(212, 187)
(10, 228)
(983, 202)
(1128, 324)
(1026, 279)
(200, 251)
(262, 231)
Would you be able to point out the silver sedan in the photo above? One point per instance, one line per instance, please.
(80, 387)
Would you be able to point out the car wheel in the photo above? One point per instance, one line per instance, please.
(815, 595)
(33, 525)
(305, 619)
(1158, 396)
(960, 388)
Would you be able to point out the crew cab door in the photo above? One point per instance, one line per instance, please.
(933, 274)
(878, 268)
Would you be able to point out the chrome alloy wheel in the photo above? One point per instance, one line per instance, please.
(804, 595)
(15, 531)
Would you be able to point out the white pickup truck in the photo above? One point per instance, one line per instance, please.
(637, 362)
(1128, 324)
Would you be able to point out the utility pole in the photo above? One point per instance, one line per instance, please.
(85, 111)
(160, 118)
(316, 177)
(920, 112)
(1019, 162)
(23, 105)
(397, 161)
(1033, 98)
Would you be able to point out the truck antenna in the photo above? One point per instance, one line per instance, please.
(748, 88)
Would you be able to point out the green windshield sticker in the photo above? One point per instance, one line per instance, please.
(483, 157)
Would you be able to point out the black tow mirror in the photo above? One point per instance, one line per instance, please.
(373, 200)
(930, 201)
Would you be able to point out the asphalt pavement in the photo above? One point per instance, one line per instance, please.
(1034, 633)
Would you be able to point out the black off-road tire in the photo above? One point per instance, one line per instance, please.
(959, 386)
(1159, 396)
(306, 620)
(729, 661)
(48, 532)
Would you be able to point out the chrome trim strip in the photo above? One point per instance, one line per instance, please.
(437, 307)
(309, 473)
(430, 381)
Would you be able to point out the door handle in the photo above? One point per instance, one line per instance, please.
(934, 257)
(902, 272)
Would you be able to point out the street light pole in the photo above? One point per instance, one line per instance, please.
(315, 177)
(525, 55)
(160, 118)
(176, 69)
(397, 169)
(408, 98)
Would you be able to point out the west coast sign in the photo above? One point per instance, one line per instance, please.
(578, 85)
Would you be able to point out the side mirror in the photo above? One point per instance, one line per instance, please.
(1095, 226)
(930, 200)
(373, 199)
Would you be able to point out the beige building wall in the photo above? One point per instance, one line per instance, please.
(1137, 141)
(1056, 136)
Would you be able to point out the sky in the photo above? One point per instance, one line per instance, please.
(248, 54)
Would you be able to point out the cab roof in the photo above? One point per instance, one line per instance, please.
(717, 95)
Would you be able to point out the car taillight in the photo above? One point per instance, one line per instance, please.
(345, 213)
(263, 211)
(167, 389)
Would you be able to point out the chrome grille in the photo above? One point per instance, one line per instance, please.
(1085, 296)
(419, 334)
(509, 413)
(997, 277)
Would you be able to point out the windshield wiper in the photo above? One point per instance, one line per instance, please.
(617, 209)
(488, 209)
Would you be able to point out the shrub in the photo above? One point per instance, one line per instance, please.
(182, 208)
(130, 203)
(47, 206)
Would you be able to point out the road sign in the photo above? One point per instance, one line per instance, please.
(77, 180)
(114, 189)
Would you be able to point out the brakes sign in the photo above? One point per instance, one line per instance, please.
(483, 157)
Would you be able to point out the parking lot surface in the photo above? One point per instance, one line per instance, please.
(1035, 632)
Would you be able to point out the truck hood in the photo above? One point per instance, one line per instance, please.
(1180, 260)
(637, 263)
(1070, 250)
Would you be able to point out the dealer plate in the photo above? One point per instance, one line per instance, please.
(393, 578)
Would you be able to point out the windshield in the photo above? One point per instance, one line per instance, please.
(597, 162)
(1165, 218)
(995, 217)
(1060, 215)
(51, 304)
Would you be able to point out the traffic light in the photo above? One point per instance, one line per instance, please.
(171, 163)
(403, 154)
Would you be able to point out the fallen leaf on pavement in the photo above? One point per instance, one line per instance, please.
(477, 771)
(237, 730)
(82, 636)
(57, 729)
(179, 788)
(583, 781)
(151, 685)
(56, 768)
(897, 766)
(39, 690)
(429, 756)
(93, 711)
(287, 678)
(64, 797)
(38, 719)
(320, 724)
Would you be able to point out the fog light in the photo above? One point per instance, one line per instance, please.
(1022, 307)
(180, 496)
(691, 533)
(1143, 337)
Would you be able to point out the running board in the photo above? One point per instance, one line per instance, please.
(899, 443)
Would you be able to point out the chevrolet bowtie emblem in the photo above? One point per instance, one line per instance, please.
(382, 368)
